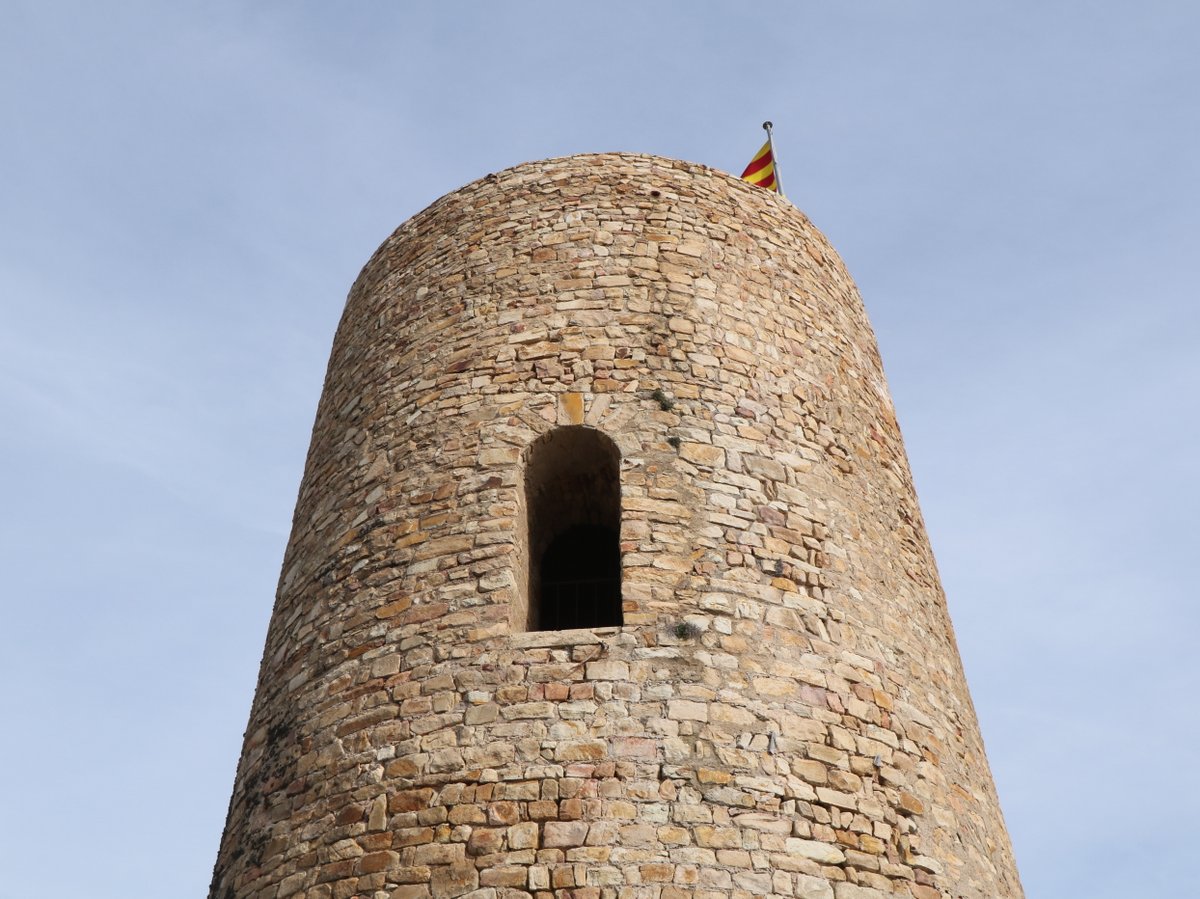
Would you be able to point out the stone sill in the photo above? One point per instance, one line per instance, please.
(578, 637)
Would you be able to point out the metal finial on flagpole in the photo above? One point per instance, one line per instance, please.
(767, 126)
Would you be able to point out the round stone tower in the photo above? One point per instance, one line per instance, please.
(607, 578)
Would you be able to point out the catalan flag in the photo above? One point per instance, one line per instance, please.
(761, 170)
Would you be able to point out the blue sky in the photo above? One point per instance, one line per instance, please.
(189, 190)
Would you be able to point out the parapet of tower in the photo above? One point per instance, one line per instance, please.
(607, 578)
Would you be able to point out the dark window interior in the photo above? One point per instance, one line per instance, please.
(573, 500)
(581, 579)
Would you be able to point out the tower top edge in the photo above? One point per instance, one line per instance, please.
(622, 165)
(629, 159)
(563, 175)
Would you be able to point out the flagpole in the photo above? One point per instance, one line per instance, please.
(767, 126)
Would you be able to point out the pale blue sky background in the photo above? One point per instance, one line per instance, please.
(187, 191)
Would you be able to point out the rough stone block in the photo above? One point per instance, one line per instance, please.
(564, 833)
(453, 880)
(816, 850)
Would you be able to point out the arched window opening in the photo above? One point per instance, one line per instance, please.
(573, 508)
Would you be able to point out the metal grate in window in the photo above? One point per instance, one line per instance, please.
(586, 602)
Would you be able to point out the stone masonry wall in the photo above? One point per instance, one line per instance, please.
(783, 712)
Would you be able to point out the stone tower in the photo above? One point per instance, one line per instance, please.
(607, 578)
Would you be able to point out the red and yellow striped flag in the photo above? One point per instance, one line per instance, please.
(761, 170)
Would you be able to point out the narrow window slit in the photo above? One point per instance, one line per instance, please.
(573, 508)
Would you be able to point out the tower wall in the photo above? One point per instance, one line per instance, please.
(782, 711)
